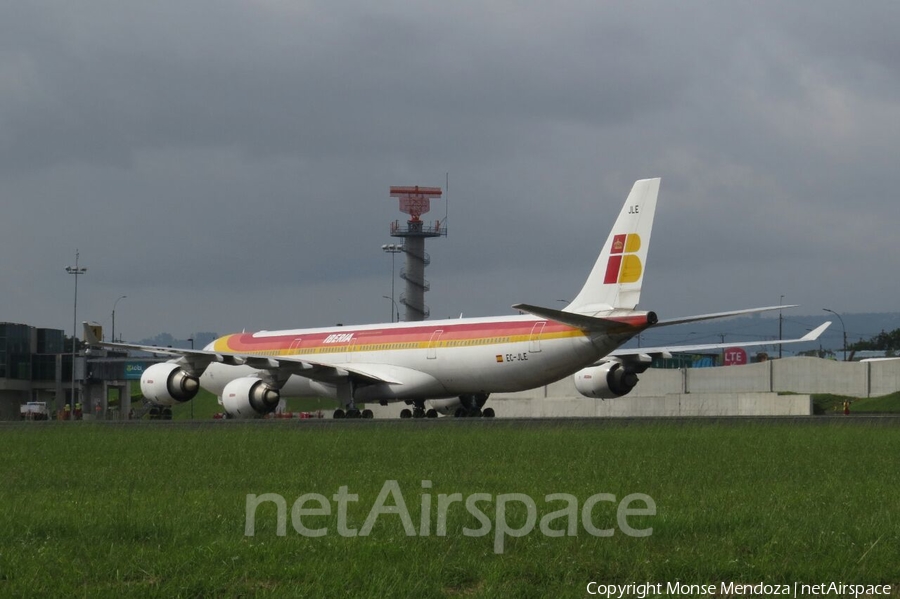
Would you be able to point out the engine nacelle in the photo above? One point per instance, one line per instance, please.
(469, 404)
(447, 407)
(249, 397)
(606, 381)
(168, 384)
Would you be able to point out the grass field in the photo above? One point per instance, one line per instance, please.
(826, 404)
(158, 509)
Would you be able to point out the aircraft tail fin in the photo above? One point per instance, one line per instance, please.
(615, 281)
(92, 332)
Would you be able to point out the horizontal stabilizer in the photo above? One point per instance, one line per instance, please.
(592, 323)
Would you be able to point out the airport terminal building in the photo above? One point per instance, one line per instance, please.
(35, 365)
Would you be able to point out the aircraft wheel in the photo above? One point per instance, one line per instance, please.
(405, 413)
(338, 414)
(476, 413)
(368, 414)
(488, 413)
(353, 413)
(459, 413)
(432, 413)
(418, 413)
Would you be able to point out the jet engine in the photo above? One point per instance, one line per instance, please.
(606, 381)
(249, 397)
(168, 384)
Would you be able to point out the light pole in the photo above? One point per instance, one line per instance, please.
(842, 328)
(780, 320)
(191, 339)
(393, 249)
(395, 307)
(114, 317)
(76, 270)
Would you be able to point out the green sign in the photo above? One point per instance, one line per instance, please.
(133, 370)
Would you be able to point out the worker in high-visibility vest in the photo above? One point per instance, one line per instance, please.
(78, 411)
(67, 412)
(846, 407)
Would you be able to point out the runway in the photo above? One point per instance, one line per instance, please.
(875, 420)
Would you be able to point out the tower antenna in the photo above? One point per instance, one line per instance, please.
(416, 201)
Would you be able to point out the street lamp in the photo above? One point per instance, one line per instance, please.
(393, 249)
(191, 339)
(395, 306)
(780, 321)
(114, 317)
(842, 328)
(76, 270)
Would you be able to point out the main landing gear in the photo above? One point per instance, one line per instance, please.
(472, 406)
(418, 411)
(462, 412)
(352, 413)
(345, 392)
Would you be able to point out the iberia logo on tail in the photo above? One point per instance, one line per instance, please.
(624, 266)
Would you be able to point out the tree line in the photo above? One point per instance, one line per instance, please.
(883, 341)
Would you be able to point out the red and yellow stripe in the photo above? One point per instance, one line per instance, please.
(418, 337)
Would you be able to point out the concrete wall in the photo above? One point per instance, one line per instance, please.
(741, 404)
(813, 375)
(792, 375)
(726, 391)
(884, 377)
(750, 378)
(678, 404)
(795, 375)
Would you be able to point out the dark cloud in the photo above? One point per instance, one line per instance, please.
(226, 164)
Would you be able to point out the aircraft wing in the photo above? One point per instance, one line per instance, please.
(622, 323)
(667, 350)
(699, 317)
(281, 367)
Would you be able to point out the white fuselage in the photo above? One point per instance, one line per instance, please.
(423, 360)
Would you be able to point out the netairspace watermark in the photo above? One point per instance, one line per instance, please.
(391, 502)
(642, 590)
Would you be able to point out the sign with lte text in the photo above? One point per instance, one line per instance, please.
(735, 356)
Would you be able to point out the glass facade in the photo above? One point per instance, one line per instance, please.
(49, 341)
(15, 351)
(43, 367)
(27, 353)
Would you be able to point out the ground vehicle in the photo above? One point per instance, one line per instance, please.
(34, 410)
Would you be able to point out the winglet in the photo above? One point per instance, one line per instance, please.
(816, 332)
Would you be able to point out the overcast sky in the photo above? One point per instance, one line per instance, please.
(226, 165)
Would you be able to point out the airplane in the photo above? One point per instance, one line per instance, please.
(447, 367)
